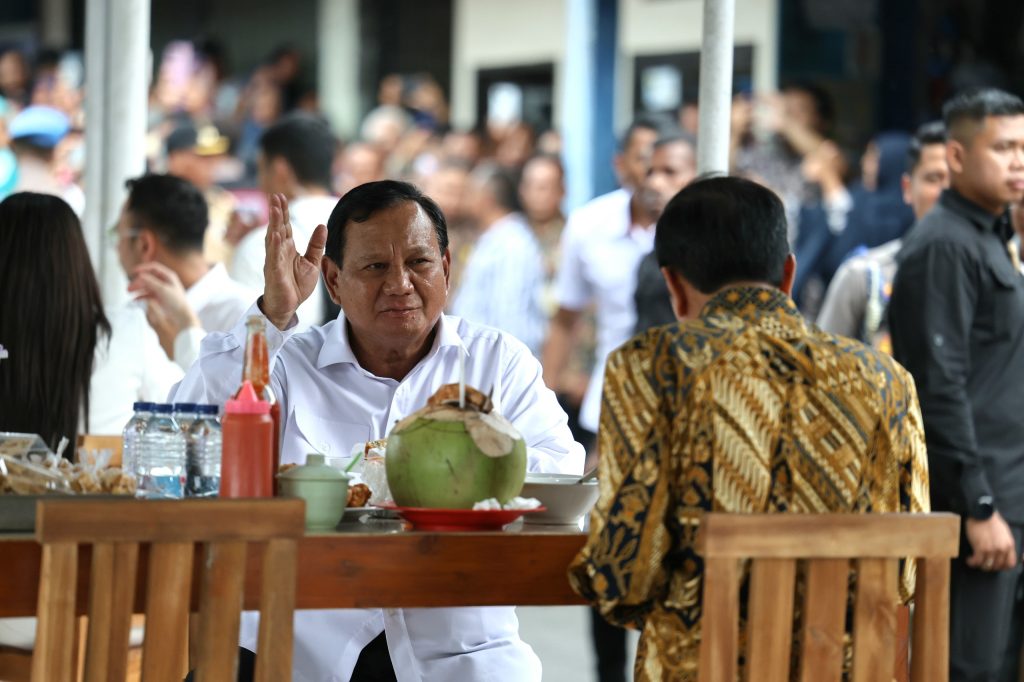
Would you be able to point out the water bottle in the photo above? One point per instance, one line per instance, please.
(132, 434)
(204, 446)
(160, 466)
(184, 415)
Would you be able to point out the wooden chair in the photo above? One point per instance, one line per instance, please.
(115, 529)
(828, 542)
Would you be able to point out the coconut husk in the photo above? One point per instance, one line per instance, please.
(491, 432)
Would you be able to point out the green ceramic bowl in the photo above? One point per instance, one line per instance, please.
(324, 488)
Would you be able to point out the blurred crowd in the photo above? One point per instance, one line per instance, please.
(515, 263)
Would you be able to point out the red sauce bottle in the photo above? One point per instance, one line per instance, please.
(257, 371)
(247, 433)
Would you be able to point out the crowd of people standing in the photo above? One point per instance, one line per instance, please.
(192, 239)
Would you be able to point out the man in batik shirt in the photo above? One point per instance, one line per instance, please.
(741, 407)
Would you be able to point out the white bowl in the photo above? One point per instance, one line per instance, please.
(566, 500)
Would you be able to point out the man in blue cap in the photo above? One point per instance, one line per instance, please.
(35, 134)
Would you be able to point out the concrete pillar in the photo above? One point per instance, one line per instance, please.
(55, 29)
(715, 94)
(117, 67)
(338, 47)
(577, 99)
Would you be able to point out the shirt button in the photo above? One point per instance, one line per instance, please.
(325, 447)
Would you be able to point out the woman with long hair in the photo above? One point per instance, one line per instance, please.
(72, 367)
(51, 318)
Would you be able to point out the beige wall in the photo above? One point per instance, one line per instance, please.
(493, 33)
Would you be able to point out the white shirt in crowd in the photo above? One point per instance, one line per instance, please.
(305, 214)
(503, 282)
(600, 255)
(219, 302)
(130, 368)
(329, 403)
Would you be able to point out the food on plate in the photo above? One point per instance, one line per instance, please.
(52, 474)
(358, 495)
(444, 456)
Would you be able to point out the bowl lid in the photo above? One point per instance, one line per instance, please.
(315, 469)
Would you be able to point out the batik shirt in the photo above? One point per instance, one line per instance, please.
(747, 409)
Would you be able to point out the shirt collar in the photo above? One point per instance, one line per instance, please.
(206, 287)
(982, 219)
(338, 350)
(755, 305)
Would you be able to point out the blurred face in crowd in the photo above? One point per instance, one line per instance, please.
(541, 190)
(923, 185)
(360, 163)
(199, 170)
(447, 187)
(632, 162)
(13, 72)
(461, 146)
(986, 161)
(799, 107)
(393, 281)
(673, 166)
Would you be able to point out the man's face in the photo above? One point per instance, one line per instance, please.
(448, 187)
(634, 160)
(198, 170)
(541, 190)
(673, 166)
(393, 282)
(921, 189)
(800, 108)
(129, 249)
(990, 166)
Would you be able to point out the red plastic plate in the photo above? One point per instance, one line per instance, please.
(459, 519)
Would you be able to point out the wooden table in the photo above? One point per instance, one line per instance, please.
(374, 564)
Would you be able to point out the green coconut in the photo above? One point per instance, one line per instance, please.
(445, 457)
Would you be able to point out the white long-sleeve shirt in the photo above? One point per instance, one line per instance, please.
(601, 252)
(503, 283)
(328, 403)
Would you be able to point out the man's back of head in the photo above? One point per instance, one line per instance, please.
(723, 231)
(172, 208)
(296, 154)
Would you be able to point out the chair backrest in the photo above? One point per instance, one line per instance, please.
(828, 543)
(170, 530)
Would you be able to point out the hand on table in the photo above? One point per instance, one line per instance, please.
(992, 545)
(167, 308)
(289, 278)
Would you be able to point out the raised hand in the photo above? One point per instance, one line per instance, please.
(289, 278)
(167, 308)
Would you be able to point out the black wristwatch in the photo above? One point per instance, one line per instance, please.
(982, 509)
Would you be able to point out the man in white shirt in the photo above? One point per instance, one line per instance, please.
(387, 266)
(160, 245)
(294, 159)
(602, 245)
(503, 282)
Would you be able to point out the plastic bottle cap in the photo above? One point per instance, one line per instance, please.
(142, 407)
(163, 408)
(184, 407)
(247, 402)
(208, 409)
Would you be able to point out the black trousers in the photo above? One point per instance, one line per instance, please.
(986, 622)
(374, 664)
(609, 648)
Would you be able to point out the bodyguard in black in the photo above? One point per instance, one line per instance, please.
(957, 322)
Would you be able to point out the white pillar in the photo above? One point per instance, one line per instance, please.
(577, 101)
(715, 95)
(117, 66)
(338, 47)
